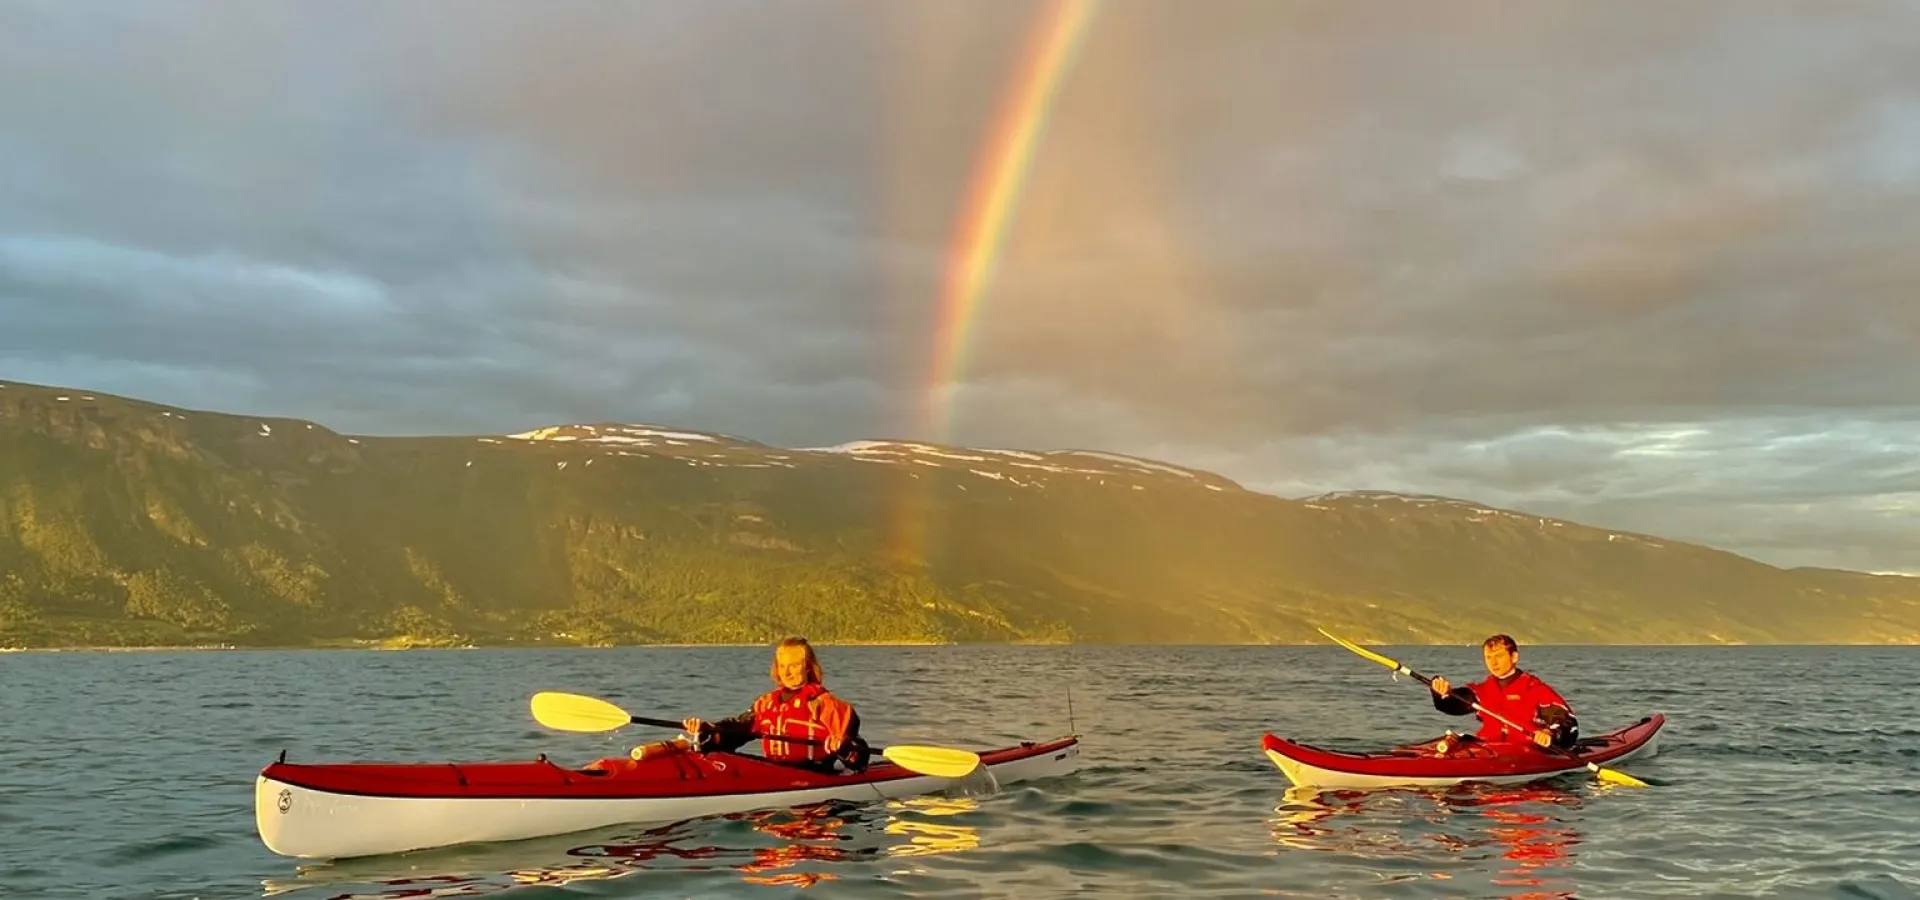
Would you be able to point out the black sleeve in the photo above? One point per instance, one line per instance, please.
(854, 752)
(1561, 722)
(729, 734)
(1458, 702)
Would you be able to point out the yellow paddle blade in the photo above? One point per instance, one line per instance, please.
(1391, 664)
(1612, 777)
(940, 762)
(574, 712)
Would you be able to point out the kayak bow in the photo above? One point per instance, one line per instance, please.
(339, 810)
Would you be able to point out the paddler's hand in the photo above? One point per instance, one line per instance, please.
(1441, 686)
(700, 732)
(832, 743)
(1543, 737)
(854, 754)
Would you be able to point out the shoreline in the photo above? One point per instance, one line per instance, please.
(375, 646)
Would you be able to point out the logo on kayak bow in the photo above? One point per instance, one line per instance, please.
(286, 799)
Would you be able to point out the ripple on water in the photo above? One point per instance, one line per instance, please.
(134, 853)
(1879, 887)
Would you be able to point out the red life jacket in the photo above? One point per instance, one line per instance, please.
(1519, 701)
(808, 712)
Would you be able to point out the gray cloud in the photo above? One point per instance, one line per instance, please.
(1638, 267)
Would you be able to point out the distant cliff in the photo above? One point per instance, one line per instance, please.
(131, 523)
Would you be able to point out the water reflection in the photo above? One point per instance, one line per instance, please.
(1528, 828)
(799, 847)
(925, 837)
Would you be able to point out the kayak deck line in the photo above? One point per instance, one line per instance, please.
(704, 775)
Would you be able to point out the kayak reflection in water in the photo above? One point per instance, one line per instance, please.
(799, 707)
(1519, 696)
(1457, 832)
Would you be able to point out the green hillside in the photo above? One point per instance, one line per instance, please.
(131, 523)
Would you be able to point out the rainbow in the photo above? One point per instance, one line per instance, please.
(988, 209)
(993, 197)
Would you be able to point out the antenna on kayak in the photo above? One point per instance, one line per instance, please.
(1073, 665)
(1070, 728)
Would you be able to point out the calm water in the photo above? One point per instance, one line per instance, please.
(1785, 772)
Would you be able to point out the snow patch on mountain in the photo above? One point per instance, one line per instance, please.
(1132, 461)
(638, 435)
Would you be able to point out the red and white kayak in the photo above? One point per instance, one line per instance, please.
(1419, 765)
(339, 810)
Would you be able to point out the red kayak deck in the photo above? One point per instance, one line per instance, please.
(1472, 760)
(671, 775)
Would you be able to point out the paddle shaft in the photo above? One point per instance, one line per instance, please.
(578, 712)
(1399, 667)
(669, 723)
(1428, 680)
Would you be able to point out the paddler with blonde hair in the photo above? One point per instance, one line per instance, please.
(800, 707)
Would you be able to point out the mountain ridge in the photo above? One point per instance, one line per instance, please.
(129, 522)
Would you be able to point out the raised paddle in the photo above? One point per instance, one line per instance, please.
(1611, 776)
(576, 712)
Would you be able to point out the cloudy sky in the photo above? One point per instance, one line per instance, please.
(1646, 265)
